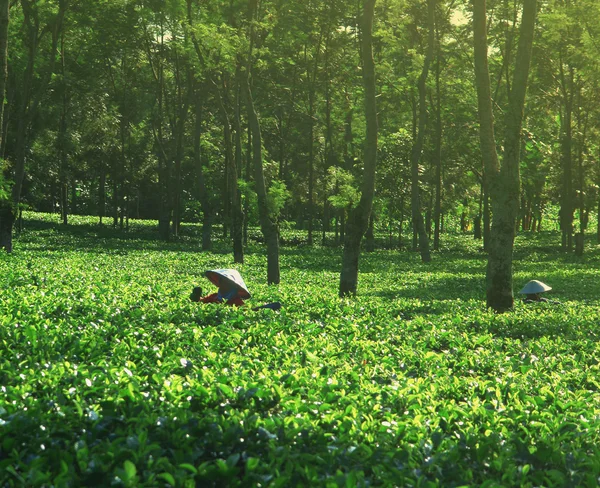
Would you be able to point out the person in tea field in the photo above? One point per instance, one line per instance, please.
(533, 291)
(231, 291)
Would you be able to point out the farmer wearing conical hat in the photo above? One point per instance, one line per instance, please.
(533, 291)
(232, 289)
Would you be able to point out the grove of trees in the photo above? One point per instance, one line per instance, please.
(336, 117)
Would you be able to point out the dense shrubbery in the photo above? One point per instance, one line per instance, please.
(109, 376)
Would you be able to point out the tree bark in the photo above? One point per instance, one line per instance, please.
(503, 181)
(358, 219)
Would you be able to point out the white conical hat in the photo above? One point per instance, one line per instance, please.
(535, 286)
(231, 275)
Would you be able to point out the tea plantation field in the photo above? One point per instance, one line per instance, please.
(109, 376)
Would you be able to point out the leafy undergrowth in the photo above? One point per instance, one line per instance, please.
(110, 377)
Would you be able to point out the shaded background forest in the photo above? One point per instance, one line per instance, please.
(138, 109)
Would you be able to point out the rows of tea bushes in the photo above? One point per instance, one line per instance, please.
(109, 376)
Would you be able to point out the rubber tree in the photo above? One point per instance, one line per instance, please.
(503, 180)
(358, 220)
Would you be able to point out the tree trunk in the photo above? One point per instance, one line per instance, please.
(267, 223)
(64, 202)
(230, 173)
(7, 218)
(311, 166)
(102, 196)
(237, 223)
(181, 114)
(248, 178)
(61, 139)
(201, 191)
(598, 196)
(29, 100)
(4, 19)
(417, 149)
(115, 196)
(504, 181)
(329, 154)
(370, 235)
(567, 205)
(438, 149)
(358, 220)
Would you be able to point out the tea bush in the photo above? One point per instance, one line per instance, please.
(109, 376)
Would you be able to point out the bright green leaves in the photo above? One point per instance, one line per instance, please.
(106, 364)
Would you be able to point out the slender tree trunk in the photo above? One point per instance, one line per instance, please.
(102, 196)
(438, 149)
(567, 206)
(348, 158)
(358, 220)
(4, 19)
(329, 154)
(417, 149)
(61, 139)
(237, 230)
(248, 178)
(201, 190)
(268, 223)
(230, 181)
(64, 202)
(181, 113)
(582, 123)
(598, 196)
(401, 223)
(370, 235)
(311, 166)
(504, 181)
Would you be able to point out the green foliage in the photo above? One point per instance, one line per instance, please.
(110, 376)
(277, 196)
(342, 187)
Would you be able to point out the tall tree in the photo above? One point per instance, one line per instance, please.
(30, 96)
(417, 150)
(358, 220)
(503, 180)
(268, 221)
(4, 19)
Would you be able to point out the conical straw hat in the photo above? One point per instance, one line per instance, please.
(535, 286)
(231, 275)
